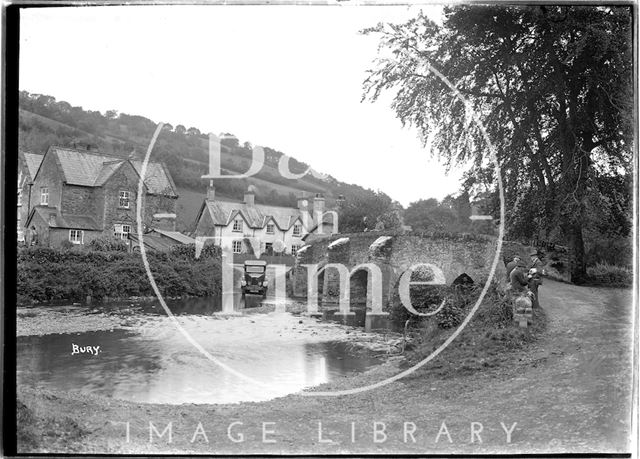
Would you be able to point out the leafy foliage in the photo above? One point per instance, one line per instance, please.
(108, 244)
(552, 87)
(46, 275)
(364, 212)
(610, 275)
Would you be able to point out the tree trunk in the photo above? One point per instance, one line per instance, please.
(576, 248)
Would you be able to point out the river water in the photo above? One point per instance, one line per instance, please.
(153, 362)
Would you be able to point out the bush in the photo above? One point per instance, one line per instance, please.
(424, 298)
(66, 245)
(610, 275)
(455, 307)
(46, 275)
(108, 244)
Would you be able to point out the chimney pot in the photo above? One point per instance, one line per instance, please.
(249, 198)
(211, 191)
(303, 203)
(318, 203)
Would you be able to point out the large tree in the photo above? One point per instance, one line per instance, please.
(552, 85)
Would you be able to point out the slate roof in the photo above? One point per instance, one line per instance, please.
(176, 236)
(154, 242)
(33, 161)
(83, 222)
(256, 216)
(91, 168)
(162, 240)
(157, 179)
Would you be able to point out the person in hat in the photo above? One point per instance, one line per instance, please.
(511, 265)
(518, 279)
(536, 271)
(536, 260)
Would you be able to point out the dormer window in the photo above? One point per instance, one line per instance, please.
(270, 228)
(237, 226)
(44, 196)
(297, 229)
(124, 199)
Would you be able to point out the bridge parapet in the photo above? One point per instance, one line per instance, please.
(393, 254)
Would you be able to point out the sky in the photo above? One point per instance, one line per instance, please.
(286, 77)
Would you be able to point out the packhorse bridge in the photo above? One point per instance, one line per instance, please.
(373, 264)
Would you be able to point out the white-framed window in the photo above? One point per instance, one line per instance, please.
(294, 249)
(124, 199)
(121, 231)
(237, 246)
(237, 226)
(270, 228)
(44, 195)
(297, 229)
(19, 188)
(76, 236)
(20, 231)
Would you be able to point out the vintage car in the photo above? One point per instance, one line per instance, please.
(254, 281)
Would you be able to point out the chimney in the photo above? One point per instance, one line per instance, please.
(340, 201)
(250, 196)
(303, 203)
(318, 204)
(211, 191)
(52, 219)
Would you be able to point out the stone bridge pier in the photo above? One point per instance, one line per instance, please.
(365, 268)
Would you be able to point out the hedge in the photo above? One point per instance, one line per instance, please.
(51, 275)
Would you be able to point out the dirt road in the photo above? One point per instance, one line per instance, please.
(569, 392)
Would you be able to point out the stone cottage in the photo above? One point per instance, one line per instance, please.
(28, 164)
(230, 223)
(80, 195)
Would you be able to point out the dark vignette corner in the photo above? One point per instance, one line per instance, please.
(11, 19)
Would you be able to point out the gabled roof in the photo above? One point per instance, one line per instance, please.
(157, 178)
(83, 222)
(33, 161)
(107, 171)
(256, 216)
(93, 169)
(79, 167)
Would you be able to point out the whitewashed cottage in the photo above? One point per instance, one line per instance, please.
(279, 229)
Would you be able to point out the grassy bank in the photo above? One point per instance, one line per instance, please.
(51, 275)
(489, 340)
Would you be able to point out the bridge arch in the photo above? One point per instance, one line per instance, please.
(392, 254)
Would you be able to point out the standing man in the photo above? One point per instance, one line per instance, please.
(536, 271)
(511, 265)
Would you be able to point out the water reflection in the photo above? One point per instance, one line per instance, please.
(166, 369)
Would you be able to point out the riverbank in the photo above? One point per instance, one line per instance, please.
(262, 324)
(551, 395)
(79, 427)
(38, 321)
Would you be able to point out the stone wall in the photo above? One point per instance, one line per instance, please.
(50, 177)
(79, 200)
(392, 254)
(58, 235)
